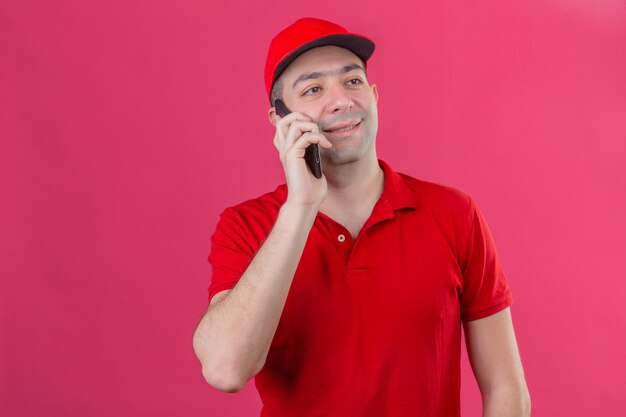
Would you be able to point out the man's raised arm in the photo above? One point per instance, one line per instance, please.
(234, 336)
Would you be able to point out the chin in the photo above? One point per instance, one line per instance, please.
(343, 156)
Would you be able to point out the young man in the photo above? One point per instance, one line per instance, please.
(345, 295)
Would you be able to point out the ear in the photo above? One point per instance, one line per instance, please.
(271, 115)
(375, 92)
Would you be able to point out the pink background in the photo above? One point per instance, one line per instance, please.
(126, 127)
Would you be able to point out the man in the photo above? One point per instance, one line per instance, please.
(345, 295)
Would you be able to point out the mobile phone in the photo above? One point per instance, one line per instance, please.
(312, 152)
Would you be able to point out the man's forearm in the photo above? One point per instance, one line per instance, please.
(234, 336)
(507, 401)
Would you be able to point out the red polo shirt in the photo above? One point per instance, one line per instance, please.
(372, 326)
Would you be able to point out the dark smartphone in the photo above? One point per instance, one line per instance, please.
(312, 152)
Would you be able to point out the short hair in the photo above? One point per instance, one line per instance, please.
(277, 91)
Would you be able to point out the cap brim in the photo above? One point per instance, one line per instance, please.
(357, 44)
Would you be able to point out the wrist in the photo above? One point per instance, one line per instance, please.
(302, 211)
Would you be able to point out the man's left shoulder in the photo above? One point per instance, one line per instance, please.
(437, 196)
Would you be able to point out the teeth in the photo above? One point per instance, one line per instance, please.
(345, 129)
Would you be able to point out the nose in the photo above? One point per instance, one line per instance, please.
(339, 100)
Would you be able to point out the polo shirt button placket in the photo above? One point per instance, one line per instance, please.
(345, 242)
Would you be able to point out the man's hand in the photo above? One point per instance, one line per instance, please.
(294, 133)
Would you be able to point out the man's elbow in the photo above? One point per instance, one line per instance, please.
(222, 370)
(215, 371)
(223, 381)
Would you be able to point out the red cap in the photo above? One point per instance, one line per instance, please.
(308, 33)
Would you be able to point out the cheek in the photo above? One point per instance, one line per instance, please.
(314, 113)
(367, 100)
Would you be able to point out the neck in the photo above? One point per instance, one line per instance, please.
(354, 184)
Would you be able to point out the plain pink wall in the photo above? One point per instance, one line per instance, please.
(126, 127)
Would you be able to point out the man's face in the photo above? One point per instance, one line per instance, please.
(329, 85)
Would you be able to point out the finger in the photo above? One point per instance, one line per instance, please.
(297, 128)
(284, 123)
(324, 142)
(304, 141)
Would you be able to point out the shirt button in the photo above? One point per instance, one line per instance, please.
(341, 238)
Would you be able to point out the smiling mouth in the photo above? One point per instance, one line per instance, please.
(344, 129)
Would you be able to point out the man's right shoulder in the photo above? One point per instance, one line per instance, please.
(268, 202)
(258, 213)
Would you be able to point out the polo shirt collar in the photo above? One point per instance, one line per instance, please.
(396, 192)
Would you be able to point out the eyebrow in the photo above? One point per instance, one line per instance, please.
(319, 74)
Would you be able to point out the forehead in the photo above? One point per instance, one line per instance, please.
(323, 58)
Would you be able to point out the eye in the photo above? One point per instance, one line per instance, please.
(355, 81)
(311, 90)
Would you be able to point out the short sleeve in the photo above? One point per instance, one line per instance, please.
(485, 289)
(230, 252)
